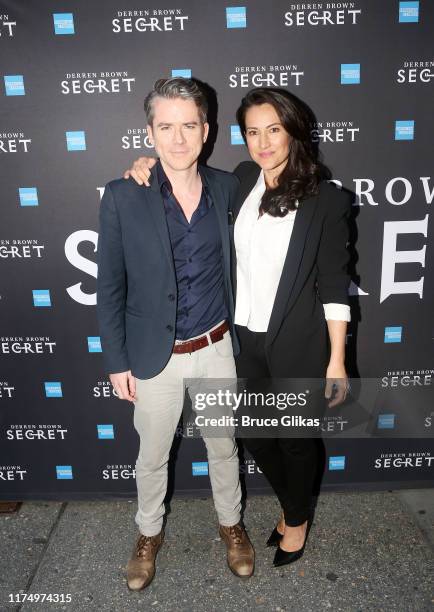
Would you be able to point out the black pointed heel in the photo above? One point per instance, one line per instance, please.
(283, 557)
(274, 538)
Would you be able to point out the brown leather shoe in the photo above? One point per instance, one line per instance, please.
(241, 556)
(141, 566)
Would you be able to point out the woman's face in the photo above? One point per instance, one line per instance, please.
(267, 140)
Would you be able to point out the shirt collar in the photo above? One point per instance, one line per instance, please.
(166, 187)
(163, 181)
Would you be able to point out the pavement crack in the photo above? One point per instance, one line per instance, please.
(42, 555)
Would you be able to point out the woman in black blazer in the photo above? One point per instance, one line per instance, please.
(290, 238)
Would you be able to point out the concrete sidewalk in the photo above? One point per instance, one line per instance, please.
(366, 551)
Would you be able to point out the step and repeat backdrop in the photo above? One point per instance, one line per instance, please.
(73, 78)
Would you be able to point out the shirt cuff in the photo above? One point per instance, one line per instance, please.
(337, 312)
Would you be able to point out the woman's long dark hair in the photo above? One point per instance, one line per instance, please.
(304, 171)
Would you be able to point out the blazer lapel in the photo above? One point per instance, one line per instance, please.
(246, 186)
(155, 204)
(221, 209)
(285, 295)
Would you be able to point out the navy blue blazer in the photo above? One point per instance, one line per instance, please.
(136, 284)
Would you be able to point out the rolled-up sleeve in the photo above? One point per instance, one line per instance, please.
(337, 312)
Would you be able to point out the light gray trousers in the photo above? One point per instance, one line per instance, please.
(156, 415)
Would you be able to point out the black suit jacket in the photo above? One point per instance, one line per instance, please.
(136, 284)
(314, 273)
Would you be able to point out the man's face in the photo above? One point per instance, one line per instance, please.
(177, 132)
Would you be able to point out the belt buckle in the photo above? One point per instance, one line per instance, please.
(208, 337)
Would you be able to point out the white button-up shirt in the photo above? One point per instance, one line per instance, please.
(261, 245)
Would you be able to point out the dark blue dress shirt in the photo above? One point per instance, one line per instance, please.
(198, 259)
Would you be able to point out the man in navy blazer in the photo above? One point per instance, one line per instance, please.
(165, 310)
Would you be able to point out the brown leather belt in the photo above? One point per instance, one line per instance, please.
(190, 346)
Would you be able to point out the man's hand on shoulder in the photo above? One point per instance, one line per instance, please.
(124, 383)
(141, 170)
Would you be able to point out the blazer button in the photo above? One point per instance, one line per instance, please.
(169, 328)
(171, 297)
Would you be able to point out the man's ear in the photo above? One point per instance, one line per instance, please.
(205, 131)
(150, 134)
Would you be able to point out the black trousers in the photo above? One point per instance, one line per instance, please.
(289, 464)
